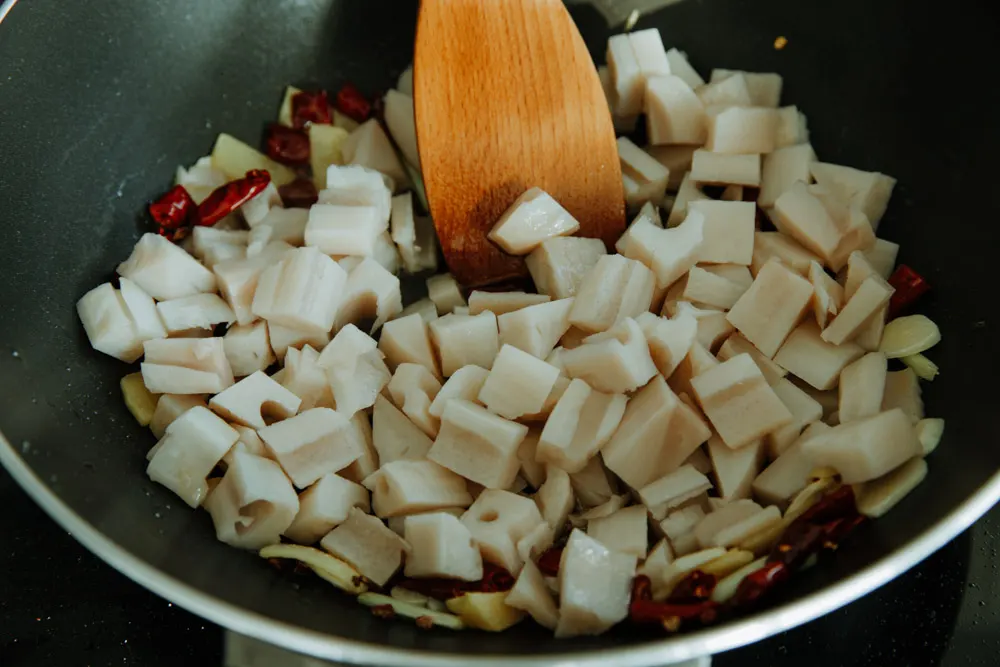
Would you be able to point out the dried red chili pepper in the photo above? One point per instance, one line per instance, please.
(225, 199)
(353, 104)
(697, 586)
(310, 107)
(384, 611)
(669, 615)
(548, 562)
(172, 210)
(424, 622)
(835, 505)
(285, 145)
(909, 285)
(495, 579)
(300, 193)
(760, 582)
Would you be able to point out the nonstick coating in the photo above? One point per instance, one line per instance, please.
(100, 101)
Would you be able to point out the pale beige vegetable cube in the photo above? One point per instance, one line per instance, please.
(283, 339)
(772, 307)
(559, 265)
(706, 288)
(648, 216)
(212, 245)
(500, 303)
(812, 359)
(366, 464)
(533, 218)
(593, 485)
(674, 114)
(248, 400)
(699, 459)
(478, 445)
(878, 496)
(200, 179)
(365, 543)
(697, 361)
(728, 231)
(711, 168)
(828, 295)
(765, 87)
(615, 361)
(518, 383)
(199, 311)
(302, 291)
(238, 278)
(644, 178)
(404, 487)
(280, 224)
(498, 520)
(399, 118)
(687, 192)
(343, 230)
(775, 245)
(793, 129)
(673, 490)
(191, 447)
(536, 329)
(781, 169)
(802, 216)
(531, 594)
(658, 432)
(790, 472)
(882, 257)
(595, 587)
(169, 407)
(623, 531)
(868, 448)
(186, 366)
(234, 159)
(555, 497)
(109, 325)
(649, 52)
(358, 186)
(737, 344)
(601, 511)
(406, 340)
(626, 76)
(394, 436)
(677, 160)
(679, 529)
(902, 390)
(734, 469)
(248, 348)
(304, 377)
(870, 297)
(253, 504)
(425, 308)
(324, 506)
(441, 546)
(325, 149)
(461, 340)
(580, 424)
(656, 562)
(371, 292)
(855, 230)
(679, 66)
(727, 515)
(370, 147)
(403, 231)
(929, 432)
(669, 339)
(713, 326)
(870, 191)
(862, 387)
(740, 531)
(730, 92)
(445, 292)
(742, 131)
(413, 389)
(164, 270)
(532, 470)
(616, 288)
(805, 410)
(312, 444)
(464, 384)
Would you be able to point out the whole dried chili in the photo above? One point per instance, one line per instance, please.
(353, 104)
(643, 610)
(300, 193)
(548, 562)
(384, 611)
(697, 586)
(909, 285)
(286, 145)
(172, 210)
(310, 107)
(495, 579)
(225, 199)
(760, 582)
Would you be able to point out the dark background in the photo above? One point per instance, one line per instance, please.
(60, 605)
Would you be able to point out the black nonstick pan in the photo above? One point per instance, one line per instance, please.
(101, 100)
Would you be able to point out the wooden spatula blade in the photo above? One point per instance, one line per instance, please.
(508, 98)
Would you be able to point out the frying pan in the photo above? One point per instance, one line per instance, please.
(101, 100)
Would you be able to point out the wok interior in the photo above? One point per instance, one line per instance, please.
(100, 101)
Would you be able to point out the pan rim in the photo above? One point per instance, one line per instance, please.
(667, 651)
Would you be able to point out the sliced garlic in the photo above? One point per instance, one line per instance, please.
(408, 610)
(922, 366)
(730, 562)
(910, 335)
(727, 587)
(929, 432)
(330, 568)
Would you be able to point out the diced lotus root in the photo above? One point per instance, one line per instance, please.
(247, 401)
(365, 542)
(312, 444)
(441, 546)
(533, 217)
(186, 366)
(478, 445)
(324, 506)
(580, 424)
(615, 361)
(461, 340)
(595, 586)
(498, 520)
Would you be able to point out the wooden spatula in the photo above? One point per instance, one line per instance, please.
(508, 98)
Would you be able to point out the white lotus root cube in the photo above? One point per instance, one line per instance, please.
(623, 531)
(371, 292)
(312, 444)
(626, 76)
(190, 448)
(445, 292)
(781, 170)
(406, 340)
(710, 289)
(354, 369)
(246, 401)
(595, 586)
(789, 473)
(461, 340)
(882, 257)
(441, 546)
(650, 55)
(302, 291)
(498, 520)
(679, 529)
(743, 130)
(500, 303)
(722, 518)
(644, 178)
(324, 506)
(616, 288)
(285, 338)
(344, 230)
(478, 445)
(533, 217)
(169, 407)
(369, 147)
(805, 410)
(248, 348)
(793, 127)
(403, 231)
(253, 504)
(395, 437)
(740, 531)
(902, 390)
(200, 311)
(559, 265)
(110, 327)
(765, 88)
(366, 464)
(581, 423)
(775, 245)
(870, 297)
(303, 376)
(712, 168)
(615, 361)
(212, 245)
(555, 498)
(536, 329)
(399, 118)
(870, 191)
(812, 359)
(658, 432)
(738, 401)
(669, 340)
(280, 224)
(800, 214)
(238, 278)
(465, 384)
(868, 448)
(862, 387)
(828, 295)
(878, 496)
(186, 366)
(673, 490)
(410, 487)
(531, 594)
(366, 544)
(674, 113)
(713, 327)
(727, 231)
(772, 307)
(164, 270)
(737, 344)
(697, 361)
(518, 383)
(413, 389)
(734, 470)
